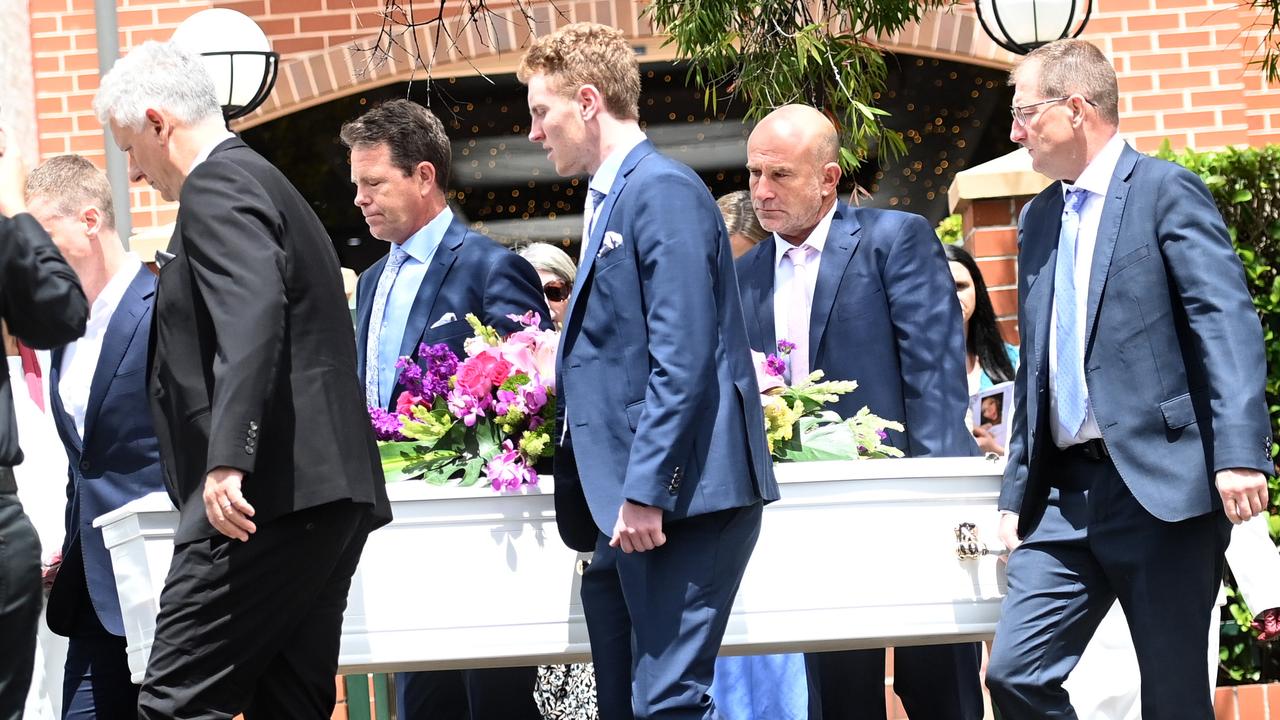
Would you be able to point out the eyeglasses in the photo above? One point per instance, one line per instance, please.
(556, 291)
(1021, 116)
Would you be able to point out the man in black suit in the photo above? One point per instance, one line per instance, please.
(267, 447)
(100, 406)
(41, 304)
(437, 271)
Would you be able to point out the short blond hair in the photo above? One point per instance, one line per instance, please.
(1074, 66)
(588, 54)
(69, 183)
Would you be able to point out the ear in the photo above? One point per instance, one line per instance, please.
(91, 218)
(425, 173)
(831, 174)
(158, 124)
(589, 101)
(1078, 108)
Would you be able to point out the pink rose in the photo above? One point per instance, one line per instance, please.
(406, 402)
(480, 373)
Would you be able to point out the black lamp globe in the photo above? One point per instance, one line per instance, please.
(1021, 26)
(237, 54)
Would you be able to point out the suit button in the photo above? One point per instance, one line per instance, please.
(248, 449)
(84, 466)
(252, 433)
(253, 425)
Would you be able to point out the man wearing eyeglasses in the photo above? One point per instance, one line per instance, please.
(1140, 429)
(436, 273)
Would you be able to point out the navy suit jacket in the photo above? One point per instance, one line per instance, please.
(117, 460)
(884, 314)
(1173, 346)
(470, 273)
(654, 369)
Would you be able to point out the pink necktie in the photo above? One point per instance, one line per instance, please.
(798, 312)
(31, 372)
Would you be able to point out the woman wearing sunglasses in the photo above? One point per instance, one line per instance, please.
(557, 271)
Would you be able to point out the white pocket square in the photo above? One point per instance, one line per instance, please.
(444, 320)
(611, 242)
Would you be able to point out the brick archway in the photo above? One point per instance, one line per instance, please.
(310, 80)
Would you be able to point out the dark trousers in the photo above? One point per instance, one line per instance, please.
(656, 619)
(488, 694)
(254, 627)
(96, 682)
(19, 605)
(1093, 545)
(934, 682)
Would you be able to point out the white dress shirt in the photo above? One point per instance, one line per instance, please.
(1096, 178)
(784, 273)
(80, 359)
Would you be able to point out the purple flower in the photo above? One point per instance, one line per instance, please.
(466, 408)
(410, 375)
(507, 400)
(386, 425)
(533, 395)
(883, 435)
(530, 319)
(508, 470)
(441, 364)
(786, 346)
(775, 366)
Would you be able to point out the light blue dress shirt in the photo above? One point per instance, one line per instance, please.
(421, 247)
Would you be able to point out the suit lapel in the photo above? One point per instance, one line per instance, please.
(842, 240)
(424, 303)
(759, 304)
(115, 342)
(364, 304)
(62, 420)
(633, 158)
(1045, 226)
(1108, 233)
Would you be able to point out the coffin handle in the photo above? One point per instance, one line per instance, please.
(970, 547)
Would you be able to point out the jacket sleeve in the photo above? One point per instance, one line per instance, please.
(232, 237)
(677, 234)
(40, 297)
(1209, 282)
(928, 328)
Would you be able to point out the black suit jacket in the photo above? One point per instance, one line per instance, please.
(41, 303)
(252, 362)
(470, 273)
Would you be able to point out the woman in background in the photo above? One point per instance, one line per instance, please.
(990, 360)
(740, 220)
(557, 271)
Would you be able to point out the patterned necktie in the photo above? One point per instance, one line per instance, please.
(31, 373)
(376, 315)
(594, 198)
(798, 310)
(1071, 392)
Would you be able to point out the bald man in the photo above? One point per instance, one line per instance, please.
(865, 295)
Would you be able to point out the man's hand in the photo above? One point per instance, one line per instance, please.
(226, 507)
(1009, 532)
(13, 175)
(639, 528)
(1243, 491)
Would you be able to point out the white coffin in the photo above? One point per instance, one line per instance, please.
(856, 554)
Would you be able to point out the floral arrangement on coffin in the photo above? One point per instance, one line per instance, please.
(487, 417)
(799, 428)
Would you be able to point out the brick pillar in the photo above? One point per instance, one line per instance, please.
(991, 236)
(989, 197)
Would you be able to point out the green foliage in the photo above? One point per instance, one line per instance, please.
(951, 230)
(775, 52)
(1245, 184)
(1270, 60)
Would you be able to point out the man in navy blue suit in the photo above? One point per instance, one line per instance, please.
(98, 393)
(437, 272)
(864, 295)
(662, 467)
(1140, 429)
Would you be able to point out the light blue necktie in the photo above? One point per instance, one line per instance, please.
(594, 198)
(372, 344)
(1071, 392)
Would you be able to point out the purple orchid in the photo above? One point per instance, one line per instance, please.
(467, 408)
(508, 470)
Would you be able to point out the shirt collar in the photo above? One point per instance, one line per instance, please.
(208, 150)
(1096, 178)
(816, 240)
(422, 245)
(604, 176)
(105, 304)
